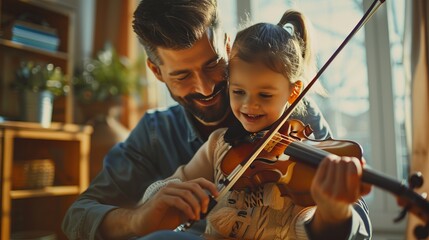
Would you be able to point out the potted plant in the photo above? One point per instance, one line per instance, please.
(38, 84)
(102, 82)
(98, 89)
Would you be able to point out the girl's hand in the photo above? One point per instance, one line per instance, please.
(335, 187)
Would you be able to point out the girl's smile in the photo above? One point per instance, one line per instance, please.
(251, 118)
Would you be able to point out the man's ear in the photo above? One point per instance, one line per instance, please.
(155, 69)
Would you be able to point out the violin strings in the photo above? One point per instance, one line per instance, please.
(283, 139)
(311, 153)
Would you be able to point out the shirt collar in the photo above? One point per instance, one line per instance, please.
(193, 133)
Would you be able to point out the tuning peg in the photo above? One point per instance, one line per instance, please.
(415, 180)
(421, 232)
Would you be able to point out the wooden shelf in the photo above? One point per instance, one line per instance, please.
(48, 4)
(12, 54)
(55, 127)
(63, 142)
(45, 192)
(21, 47)
(68, 146)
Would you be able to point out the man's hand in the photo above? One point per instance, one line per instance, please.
(173, 205)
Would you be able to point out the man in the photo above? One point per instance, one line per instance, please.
(188, 52)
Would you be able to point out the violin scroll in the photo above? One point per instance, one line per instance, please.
(416, 207)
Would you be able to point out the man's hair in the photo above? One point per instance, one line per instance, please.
(172, 24)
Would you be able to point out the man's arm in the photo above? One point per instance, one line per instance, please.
(170, 202)
(111, 189)
(158, 145)
(116, 224)
(106, 193)
(172, 205)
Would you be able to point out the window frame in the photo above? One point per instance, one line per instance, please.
(382, 118)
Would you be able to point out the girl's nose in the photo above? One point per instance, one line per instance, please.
(251, 102)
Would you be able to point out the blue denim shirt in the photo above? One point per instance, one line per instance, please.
(156, 147)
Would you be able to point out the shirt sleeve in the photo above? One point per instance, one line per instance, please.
(106, 192)
(83, 219)
(360, 228)
(314, 117)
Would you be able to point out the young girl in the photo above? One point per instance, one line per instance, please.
(268, 67)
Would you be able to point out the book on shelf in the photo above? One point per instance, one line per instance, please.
(35, 27)
(34, 35)
(34, 43)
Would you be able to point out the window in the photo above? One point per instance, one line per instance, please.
(396, 20)
(346, 79)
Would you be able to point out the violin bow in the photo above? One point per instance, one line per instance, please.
(411, 201)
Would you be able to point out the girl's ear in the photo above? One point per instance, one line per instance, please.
(155, 69)
(297, 88)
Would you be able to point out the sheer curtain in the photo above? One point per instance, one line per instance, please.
(416, 39)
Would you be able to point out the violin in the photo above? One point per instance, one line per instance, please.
(265, 160)
(279, 162)
(290, 160)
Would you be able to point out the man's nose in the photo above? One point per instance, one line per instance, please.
(204, 84)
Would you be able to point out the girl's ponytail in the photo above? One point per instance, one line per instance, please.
(302, 29)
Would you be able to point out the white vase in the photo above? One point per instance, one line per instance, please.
(37, 107)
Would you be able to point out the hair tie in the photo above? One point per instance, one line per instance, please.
(289, 28)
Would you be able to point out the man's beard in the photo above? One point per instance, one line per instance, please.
(210, 114)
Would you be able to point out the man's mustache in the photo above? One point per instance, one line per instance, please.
(219, 87)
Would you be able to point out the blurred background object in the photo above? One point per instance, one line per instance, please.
(37, 86)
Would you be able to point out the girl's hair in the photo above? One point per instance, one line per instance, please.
(284, 48)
